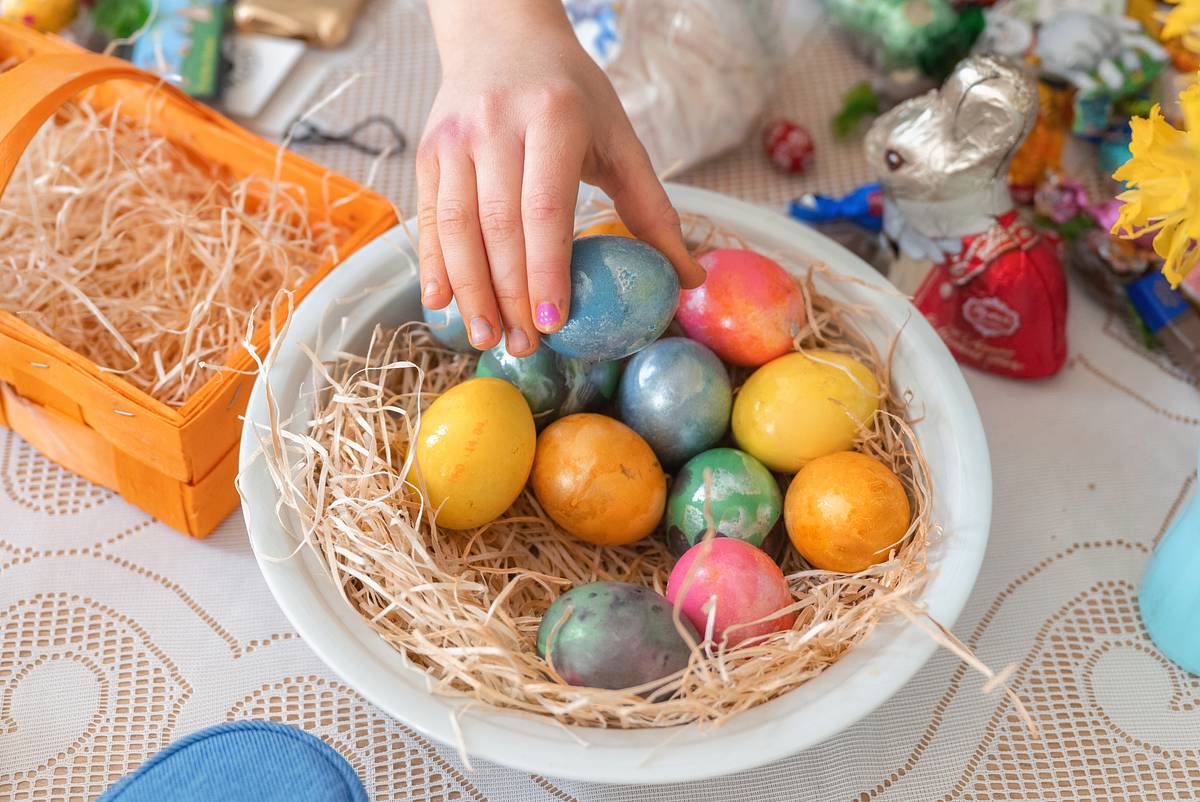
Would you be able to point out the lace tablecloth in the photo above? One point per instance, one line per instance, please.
(118, 636)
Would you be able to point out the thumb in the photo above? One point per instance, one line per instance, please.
(643, 206)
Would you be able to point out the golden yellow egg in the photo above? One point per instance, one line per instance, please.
(47, 16)
(612, 227)
(599, 480)
(802, 406)
(474, 450)
(843, 511)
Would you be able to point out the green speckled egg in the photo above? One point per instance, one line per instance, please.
(745, 503)
(537, 376)
(590, 385)
(612, 635)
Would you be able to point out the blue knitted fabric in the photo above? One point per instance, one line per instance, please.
(243, 761)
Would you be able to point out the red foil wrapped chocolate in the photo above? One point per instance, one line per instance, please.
(788, 145)
(1001, 303)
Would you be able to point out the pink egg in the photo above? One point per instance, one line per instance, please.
(745, 583)
(748, 310)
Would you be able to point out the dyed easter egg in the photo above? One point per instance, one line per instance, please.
(47, 16)
(590, 385)
(676, 394)
(613, 228)
(843, 512)
(598, 480)
(748, 310)
(475, 448)
(537, 376)
(612, 635)
(742, 497)
(447, 327)
(743, 583)
(803, 406)
(623, 296)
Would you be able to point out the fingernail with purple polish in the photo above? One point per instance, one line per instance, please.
(547, 316)
(517, 341)
(481, 330)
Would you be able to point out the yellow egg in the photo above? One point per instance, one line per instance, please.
(47, 16)
(794, 409)
(474, 450)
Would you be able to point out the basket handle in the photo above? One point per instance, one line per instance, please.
(36, 88)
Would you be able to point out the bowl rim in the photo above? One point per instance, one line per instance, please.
(847, 691)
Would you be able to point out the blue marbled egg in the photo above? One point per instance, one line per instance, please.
(623, 296)
(676, 394)
(537, 376)
(447, 327)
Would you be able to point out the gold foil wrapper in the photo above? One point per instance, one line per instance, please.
(325, 23)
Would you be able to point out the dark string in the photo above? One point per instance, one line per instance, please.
(309, 133)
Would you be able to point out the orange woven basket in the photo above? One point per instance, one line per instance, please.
(176, 464)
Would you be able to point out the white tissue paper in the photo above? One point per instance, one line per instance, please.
(693, 75)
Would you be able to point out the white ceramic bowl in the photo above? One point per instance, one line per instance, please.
(376, 286)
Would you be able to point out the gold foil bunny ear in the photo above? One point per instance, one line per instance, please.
(989, 105)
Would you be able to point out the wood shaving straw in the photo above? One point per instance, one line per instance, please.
(465, 607)
(127, 250)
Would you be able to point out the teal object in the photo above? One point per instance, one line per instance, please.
(242, 761)
(447, 327)
(744, 502)
(537, 376)
(1114, 153)
(552, 384)
(623, 296)
(1169, 596)
(590, 385)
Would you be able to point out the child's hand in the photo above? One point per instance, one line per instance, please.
(523, 114)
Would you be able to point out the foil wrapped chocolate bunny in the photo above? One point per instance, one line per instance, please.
(996, 292)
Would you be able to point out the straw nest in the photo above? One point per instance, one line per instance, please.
(464, 606)
(128, 250)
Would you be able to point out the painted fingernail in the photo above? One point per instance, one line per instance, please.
(481, 331)
(517, 341)
(547, 316)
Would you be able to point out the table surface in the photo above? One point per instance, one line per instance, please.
(119, 635)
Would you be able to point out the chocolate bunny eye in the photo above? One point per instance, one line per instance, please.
(894, 160)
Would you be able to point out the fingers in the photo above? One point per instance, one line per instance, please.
(463, 249)
(499, 166)
(553, 164)
(435, 285)
(643, 205)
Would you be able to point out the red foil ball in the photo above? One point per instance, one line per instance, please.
(788, 145)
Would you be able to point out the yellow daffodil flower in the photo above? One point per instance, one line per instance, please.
(1184, 21)
(1164, 176)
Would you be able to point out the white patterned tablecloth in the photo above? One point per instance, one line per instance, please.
(118, 636)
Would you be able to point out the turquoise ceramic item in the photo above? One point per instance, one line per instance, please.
(1169, 596)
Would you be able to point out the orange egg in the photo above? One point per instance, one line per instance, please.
(843, 511)
(598, 479)
(612, 227)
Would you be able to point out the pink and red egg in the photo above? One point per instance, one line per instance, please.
(748, 310)
(743, 583)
